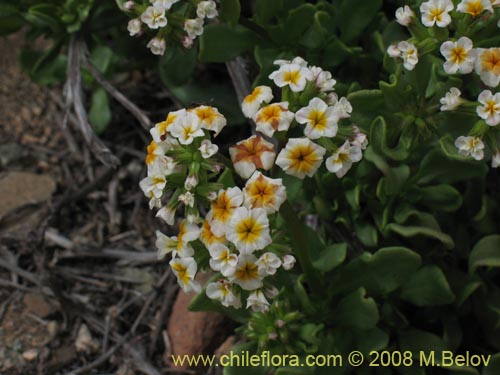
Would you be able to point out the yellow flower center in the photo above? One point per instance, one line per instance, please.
(492, 107)
(151, 157)
(207, 235)
(181, 271)
(458, 55)
(261, 193)
(251, 150)
(253, 96)
(490, 60)
(271, 114)
(303, 158)
(222, 208)
(248, 271)
(317, 119)
(436, 14)
(249, 230)
(292, 77)
(207, 114)
(475, 8)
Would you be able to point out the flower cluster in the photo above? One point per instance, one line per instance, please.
(307, 121)
(460, 58)
(234, 229)
(227, 228)
(169, 18)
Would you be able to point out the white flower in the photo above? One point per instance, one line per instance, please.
(252, 154)
(495, 160)
(360, 139)
(222, 259)
(208, 149)
(288, 262)
(459, 56)
(210, 118)
(300, 157)
(488, 65)
(154, 17)
(257, 301)
(409, 54)
(193, 27)
(321, 120)
(342, 107)
(157, 46)
(393, 51)
(187, 42)
(490, 109)
(191, 182)
(167, 214)
(165, 245)
(134, 26)
(268, 263)
(271, 292)
(161, 133)
(341, 161)
(247, 273)
(222, 209)
(208, 238)
(207, 9)
(188, 232)
(252, 102)
(153, 184)
(273, 117)
(185, 271)
(470, 146)
(296, 60)
(153, 201)
(222, 291)
(187, 198)
(167, 4)
(436, 12)
(293, 75)
(475, 7)
(248, 229)
(404, 15)
(128, 5)
(323, 79)
(264, 192)
(186, 128)
(156, 159)
(451, 100)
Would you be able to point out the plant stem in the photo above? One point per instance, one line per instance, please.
(299, 243)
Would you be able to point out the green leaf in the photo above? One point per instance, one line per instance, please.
(366, 233)
(366, 105)
(46, 74)
(44, 16)
(237, 40)
(100, 113)
(435, 166)
(101, 58)
(428, 287)
(441, 197)
(354, 16)
(379, 273)
(331, 257)
(380, 141)
(11, 19)
(266, 10)
(226, 178)
(418, 341)
(294, 26)
(229, 11)
(177, 65)
(357, 311)
(486, 253)
(413, 231)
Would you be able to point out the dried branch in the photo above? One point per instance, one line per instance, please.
(119, 97)
(74, 100)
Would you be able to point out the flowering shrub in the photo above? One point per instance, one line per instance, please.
(329, 216)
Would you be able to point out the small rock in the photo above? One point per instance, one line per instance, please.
(84, 341)
(38, 305)
(18, 189)
(194, 333)
(30, 355)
